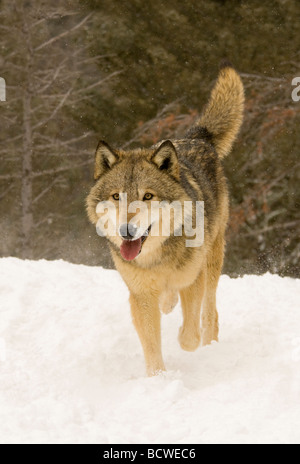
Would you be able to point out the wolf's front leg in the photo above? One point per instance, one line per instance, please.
(191, 300)
(146, 318)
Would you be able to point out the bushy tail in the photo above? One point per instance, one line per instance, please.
(223, 115)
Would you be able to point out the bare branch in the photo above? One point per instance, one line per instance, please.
(140, 131)
(3, 194)
(46, 190)
(93, 59)
(54, 15)
(63, 34)
(59, 143)
(92, 86)
(11, 139)
(49, 219)
(267, 78)
(285, 225)
(10, 176)
(281, 176)
(58, 69)
(11, 120)
(42, 123)
(50, 172)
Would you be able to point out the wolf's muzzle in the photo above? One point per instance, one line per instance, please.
(128, 231)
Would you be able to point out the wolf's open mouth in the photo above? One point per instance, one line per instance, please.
(130, 249)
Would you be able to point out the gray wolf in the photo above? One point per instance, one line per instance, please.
(158, 267)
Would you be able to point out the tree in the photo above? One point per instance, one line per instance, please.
(43, 66)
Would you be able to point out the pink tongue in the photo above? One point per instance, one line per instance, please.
(130, 249)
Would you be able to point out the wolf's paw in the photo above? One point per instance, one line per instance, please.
(155, 369)
(168, 301)
(189, 341)
(209, 335)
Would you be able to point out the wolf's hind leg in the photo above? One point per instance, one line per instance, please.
(167, 302)
(209, 315)
(191, 300)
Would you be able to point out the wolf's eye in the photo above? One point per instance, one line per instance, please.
(116, 196)
(148, 196)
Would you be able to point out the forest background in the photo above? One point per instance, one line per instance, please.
(133, 73)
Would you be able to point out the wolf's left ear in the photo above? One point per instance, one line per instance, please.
(165, 158)
(105, 158)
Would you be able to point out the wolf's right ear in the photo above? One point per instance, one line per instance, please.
(105, 158)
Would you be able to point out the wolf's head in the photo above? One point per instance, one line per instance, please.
(133, 191)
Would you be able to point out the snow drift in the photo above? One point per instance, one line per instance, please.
(72, 369)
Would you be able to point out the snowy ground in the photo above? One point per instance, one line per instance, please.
(72, 370)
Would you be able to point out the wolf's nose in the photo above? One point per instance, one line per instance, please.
(128, 231)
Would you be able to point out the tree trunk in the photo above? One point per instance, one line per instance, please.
(27, 216)
(26, 192)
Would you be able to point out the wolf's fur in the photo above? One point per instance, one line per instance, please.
(181, 170)
(223, 114)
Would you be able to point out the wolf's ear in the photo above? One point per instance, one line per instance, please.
(165, 158)
(105, 158)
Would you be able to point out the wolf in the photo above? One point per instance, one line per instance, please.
(158, 267)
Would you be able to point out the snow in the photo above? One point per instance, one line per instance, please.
(72, 369)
